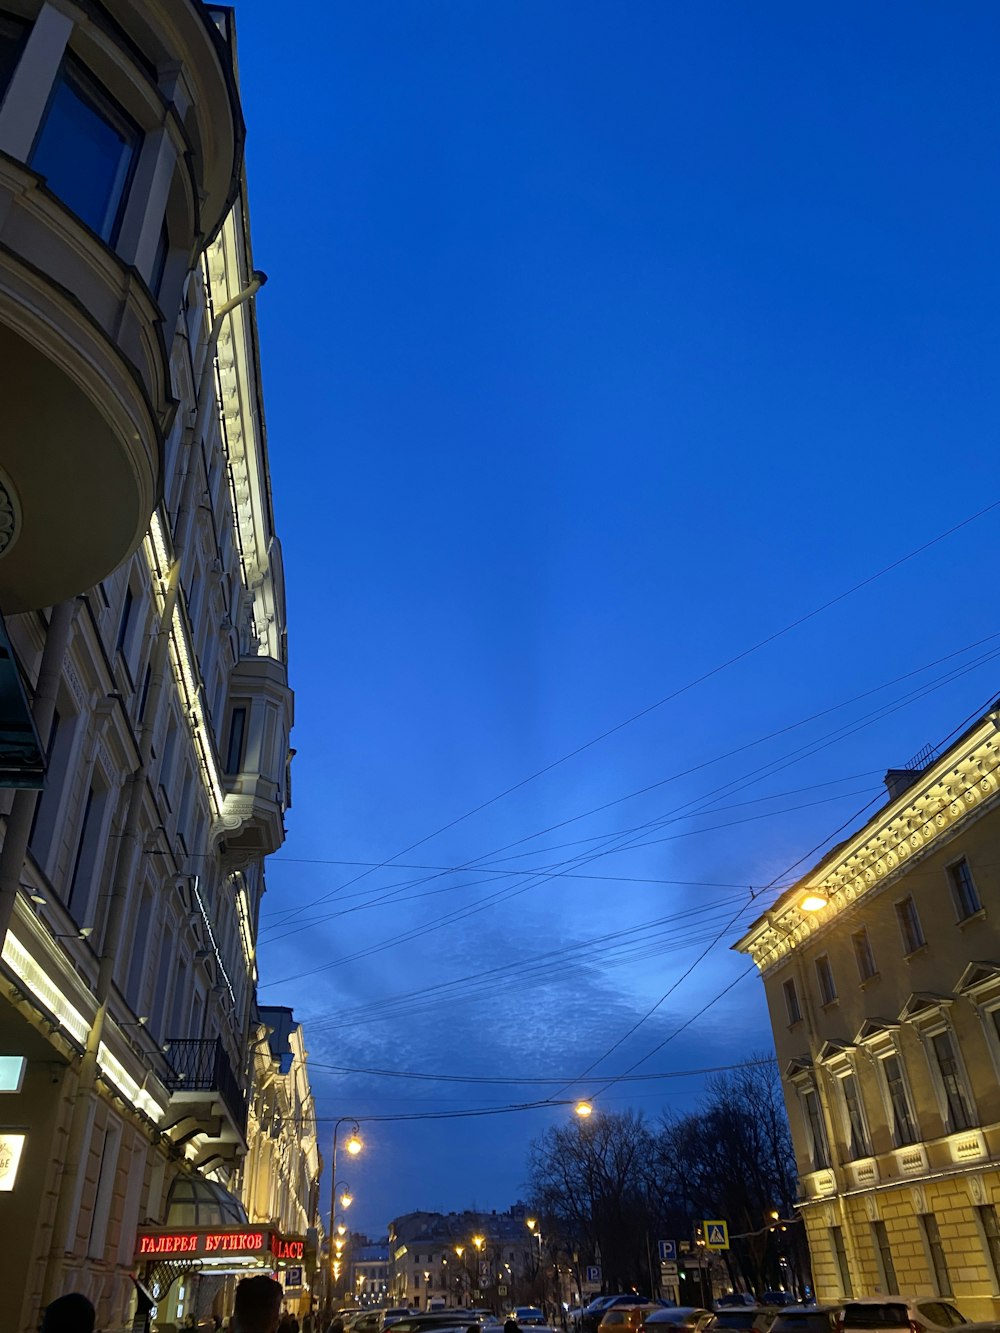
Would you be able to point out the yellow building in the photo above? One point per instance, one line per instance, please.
(884, 998)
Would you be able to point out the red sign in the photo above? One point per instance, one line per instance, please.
(219, 1242)
(282, 1248)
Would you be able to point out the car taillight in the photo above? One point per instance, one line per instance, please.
(916, 1326)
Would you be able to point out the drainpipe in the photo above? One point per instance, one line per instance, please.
(22, 811)
(128, 842)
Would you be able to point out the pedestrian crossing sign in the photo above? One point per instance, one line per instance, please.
(716, 1234)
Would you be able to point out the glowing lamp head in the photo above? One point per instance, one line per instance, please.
(813, 902)
(583, 1109)
(354, 1144)
(530, 1223)
(460, 1250)
(341, 1229)
(479, 1241)
(347, 1199)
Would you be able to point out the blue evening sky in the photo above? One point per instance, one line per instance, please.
(602, 341)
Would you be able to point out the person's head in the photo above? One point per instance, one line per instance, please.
(71, 1313)
(258, 1304)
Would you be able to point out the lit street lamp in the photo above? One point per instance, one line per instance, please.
(353, 1145)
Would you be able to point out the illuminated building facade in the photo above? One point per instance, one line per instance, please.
(282, 1167)
(142, 585)
(885, 1007)
(434, 1259)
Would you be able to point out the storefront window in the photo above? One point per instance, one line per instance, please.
(86, 150)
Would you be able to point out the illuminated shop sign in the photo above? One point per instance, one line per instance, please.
(219, 1243)
(11, 1147)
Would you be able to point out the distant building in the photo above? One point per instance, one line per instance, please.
(434, 1258)
(368, 1271)
(885, 1008)
(141, 579)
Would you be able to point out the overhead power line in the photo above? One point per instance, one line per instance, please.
(678, 692)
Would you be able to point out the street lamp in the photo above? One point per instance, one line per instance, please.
(346, 1197)
(353, 1145)
(583, 1108)
(813, 902)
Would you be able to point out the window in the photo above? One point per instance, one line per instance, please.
(159, 261)
(12, 35)
(123, 624)
(105, 1190)
(909, 925)
(87, 853)
(991, 1232)
(863, 955)
(935, 1249)
(86, 150)
(960, 1112)
(237, 731)
(824, 975)
(884, 1252)
(902, 1117)
(857, 1132)
(817, 1129)
(963, 888)
(792, 1001)
(840, 1254)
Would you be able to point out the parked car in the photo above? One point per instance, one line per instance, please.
(625, 1318)
(890, 1314)
(529, 1315)
(777, 1298)
(745, 1319)
(809, 1319)
(592, 1314)
(683, 1318)
(735, 1298)
(390, 1316)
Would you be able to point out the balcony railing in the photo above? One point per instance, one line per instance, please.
(203, 1066)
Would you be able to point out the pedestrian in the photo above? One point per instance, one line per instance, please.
(71, 1313)
(511, 1325)
(288, 1323)
(257, 1307)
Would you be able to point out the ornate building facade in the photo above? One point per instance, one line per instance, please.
(141, 578)
(283, 1163)
(882, 974)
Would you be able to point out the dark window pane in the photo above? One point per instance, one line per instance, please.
(960, 1112)
(863, 954)
(936, 1248)
(903, 1121)
(12, 35)
(964, 888)
(85, 150)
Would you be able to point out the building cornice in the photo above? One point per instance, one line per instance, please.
(950, 793)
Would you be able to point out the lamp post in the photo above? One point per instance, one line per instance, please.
(353, 1145)
(479, 1241)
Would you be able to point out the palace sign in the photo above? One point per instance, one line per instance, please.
(214, 1243)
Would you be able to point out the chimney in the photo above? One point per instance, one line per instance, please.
(897, 780)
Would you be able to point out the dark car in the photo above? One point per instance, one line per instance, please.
(682, 1319)
(745, 1319)
(735, 1298)
(809, 1319)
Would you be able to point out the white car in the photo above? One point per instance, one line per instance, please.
(914, 1314)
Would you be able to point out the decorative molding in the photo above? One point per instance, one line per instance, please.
(10, 514)
(967, 1147)
(956, 787)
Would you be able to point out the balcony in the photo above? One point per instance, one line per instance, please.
(88, 396)
(206, 1098)
(252, 820)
